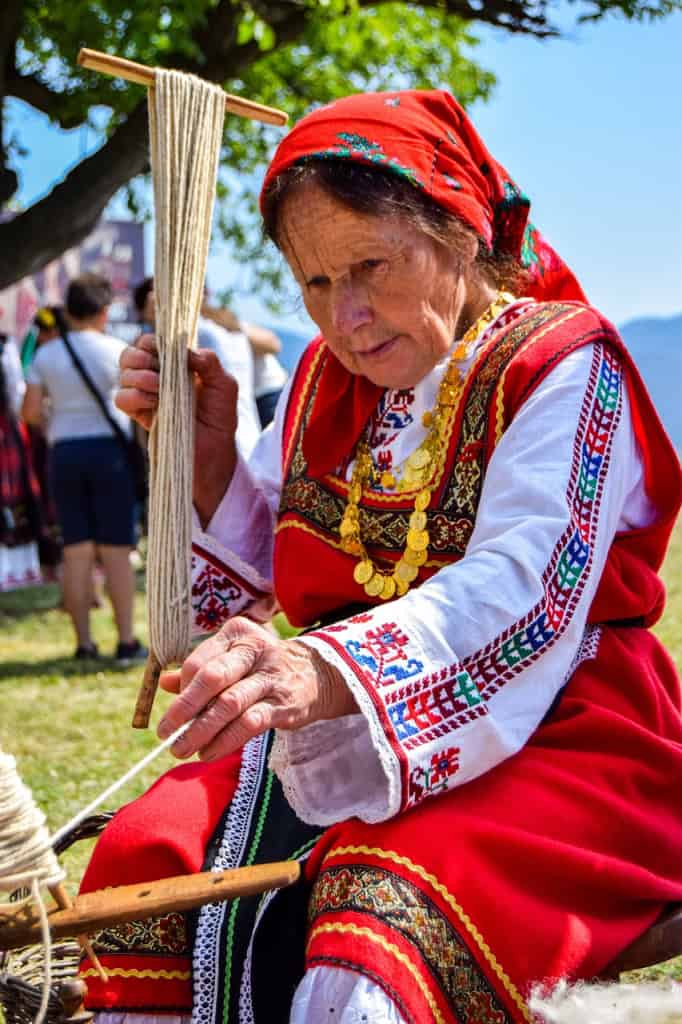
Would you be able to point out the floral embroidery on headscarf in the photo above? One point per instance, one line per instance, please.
(353, 146)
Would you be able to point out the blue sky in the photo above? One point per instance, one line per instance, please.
(589, 127)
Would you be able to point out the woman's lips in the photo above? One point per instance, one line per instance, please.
(378, 350)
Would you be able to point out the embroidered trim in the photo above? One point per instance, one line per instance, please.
(155, 936)
(499, 402)
(399, 905)
(300, 404)
(389, 947)
(384, 516)
(229, 855)
(417, 869)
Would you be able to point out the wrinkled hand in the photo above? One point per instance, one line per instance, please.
(215, 453)
(243, 681)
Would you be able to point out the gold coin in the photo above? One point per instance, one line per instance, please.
(419, 458)
(418, 520)
(418, 540)
(375, 585)
(388, 481)
(363, 571)
(347, 527)
(422, 501)
(427, 418)
(389, 588)
(415, 557)
(401, 586)
(404, 571)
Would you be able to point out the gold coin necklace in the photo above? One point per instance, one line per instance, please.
(420, 467)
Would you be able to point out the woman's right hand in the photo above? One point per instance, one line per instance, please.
(215, 453)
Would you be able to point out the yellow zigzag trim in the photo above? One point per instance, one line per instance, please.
(390, 948)
(499, 419)
(302, 397)
(373, 851)
(119, 972)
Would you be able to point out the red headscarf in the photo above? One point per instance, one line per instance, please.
(427, 139)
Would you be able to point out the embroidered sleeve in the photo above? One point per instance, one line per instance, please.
(232, 557)
(454, 677)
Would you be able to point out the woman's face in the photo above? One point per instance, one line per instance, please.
(387, 298)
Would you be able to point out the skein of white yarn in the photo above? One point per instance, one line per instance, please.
(186, 126)
(26, 855)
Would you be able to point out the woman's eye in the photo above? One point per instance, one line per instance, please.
(317, 282)
(372, 264)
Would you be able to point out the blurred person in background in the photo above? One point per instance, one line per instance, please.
(269, 376)
(224, 337)
(46, 326)
(19, 491)
(90, 474)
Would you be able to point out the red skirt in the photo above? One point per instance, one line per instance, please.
(545, 867)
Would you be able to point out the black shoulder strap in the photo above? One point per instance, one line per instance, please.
(92, 388)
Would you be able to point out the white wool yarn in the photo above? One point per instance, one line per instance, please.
(26, 855)
(186, 118)
(610, 1003)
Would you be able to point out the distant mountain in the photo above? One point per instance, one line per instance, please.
(655, 344)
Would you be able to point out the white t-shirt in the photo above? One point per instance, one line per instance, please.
(74, 413)
(268, 374)
(236, 358)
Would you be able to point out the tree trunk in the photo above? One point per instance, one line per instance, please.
(71, 210)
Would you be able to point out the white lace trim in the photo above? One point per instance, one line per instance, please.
(229, 855)
(388, 804)
(246, 1014)
(587, 649)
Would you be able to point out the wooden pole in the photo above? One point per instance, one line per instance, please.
(147, 692)
(61, 897)
(119, 67)
(20, 923)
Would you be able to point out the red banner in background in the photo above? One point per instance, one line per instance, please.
(115, 248)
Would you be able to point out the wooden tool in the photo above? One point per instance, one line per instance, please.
(119, 67)
(146, 694)
(20, 922)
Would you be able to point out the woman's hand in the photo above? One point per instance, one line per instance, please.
(243, 681)
(215, 454)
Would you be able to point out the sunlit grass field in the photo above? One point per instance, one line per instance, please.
(68, 723)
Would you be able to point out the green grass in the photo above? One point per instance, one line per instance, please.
(68, 724)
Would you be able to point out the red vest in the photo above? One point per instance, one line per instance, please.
(315, 576)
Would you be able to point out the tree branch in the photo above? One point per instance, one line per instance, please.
(71, 210)
(39, 96)
(10, 20)
(511, 15)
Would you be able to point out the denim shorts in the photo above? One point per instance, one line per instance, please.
(92, 486)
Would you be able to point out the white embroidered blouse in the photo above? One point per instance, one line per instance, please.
(467, 664)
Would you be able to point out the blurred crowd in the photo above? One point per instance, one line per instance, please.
(72, 466)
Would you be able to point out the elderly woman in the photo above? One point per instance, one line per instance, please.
(464, 498)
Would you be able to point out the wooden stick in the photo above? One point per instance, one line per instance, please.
(63, 900)
(119, 67)
(145, 698)
(20, 923)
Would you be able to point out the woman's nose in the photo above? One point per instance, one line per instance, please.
(350, 307)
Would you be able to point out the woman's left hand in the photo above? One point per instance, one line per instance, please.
(243, 681)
